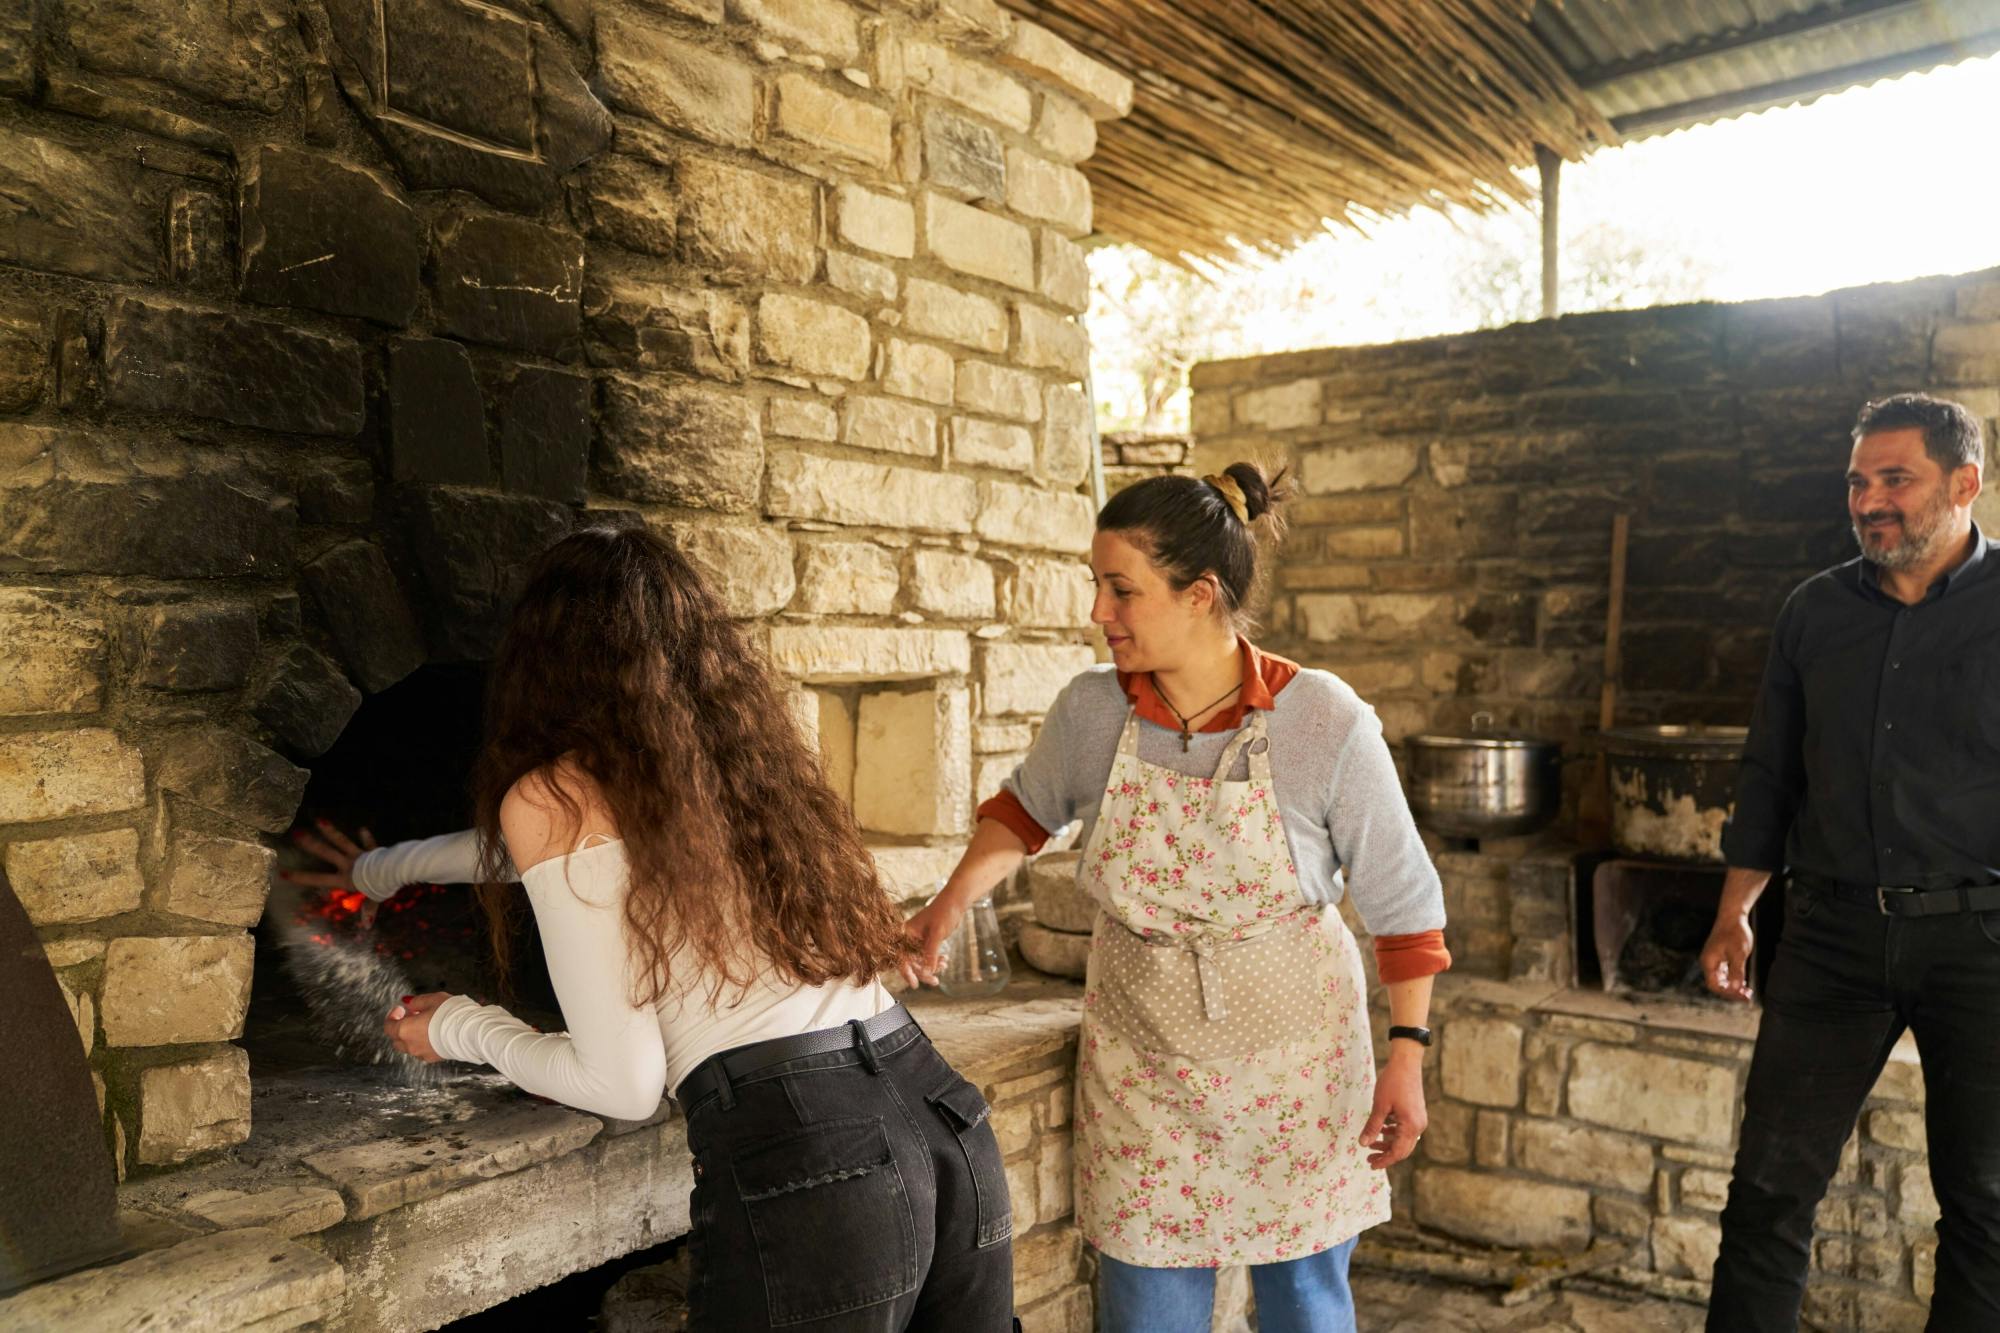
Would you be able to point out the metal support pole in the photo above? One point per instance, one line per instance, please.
(1551, 169)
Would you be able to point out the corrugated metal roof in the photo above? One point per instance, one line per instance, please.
(1651, 66)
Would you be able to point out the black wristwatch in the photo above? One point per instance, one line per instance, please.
(1421, 1036)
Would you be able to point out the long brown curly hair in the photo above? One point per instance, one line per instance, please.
(617, 659)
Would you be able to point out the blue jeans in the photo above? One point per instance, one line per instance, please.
(1308, 1295)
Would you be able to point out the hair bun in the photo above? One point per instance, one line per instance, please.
(1260, 493)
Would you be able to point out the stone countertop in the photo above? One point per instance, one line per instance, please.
(303, 1216)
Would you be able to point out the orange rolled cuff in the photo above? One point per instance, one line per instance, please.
(1006, 808)
(1407, 957)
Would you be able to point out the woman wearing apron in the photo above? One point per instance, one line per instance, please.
(1228, 1108)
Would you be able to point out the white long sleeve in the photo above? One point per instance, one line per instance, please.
(449, 858)
(613, 1059)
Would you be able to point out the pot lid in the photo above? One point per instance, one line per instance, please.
(1677, 742)
(1480, 740)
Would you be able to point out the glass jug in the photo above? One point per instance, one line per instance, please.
(975, 957)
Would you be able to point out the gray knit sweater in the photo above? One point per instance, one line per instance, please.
(1338, 793)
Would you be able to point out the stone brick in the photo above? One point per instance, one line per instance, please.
(1051, 341)
(1045, 1262)
(1063, 276)
(937, 311)
(363, 606)
(510, 281)
(889, 424)
(979, 243)
(1026, 516)
(944, 583)
(83, 877)
(746, 221)
(918, 370)
(1280, 406)
(163, 358)
(878, 222)
(1898, 1129)
(913, 762)
(991, 444)
(803, 419)
(1502, 1210)
(823, 27)
(52, 654)
(814, 337)
(24, 356)
(437, 419)
(472, 550)
(227, 772)
(1490, 1135)
(834, 490)
(542, 417)
(304, 699)
(1482, 1060)
(835, 720)
(832, 654)
(1685, 1246)
(1047, 594)
(683, 86)
(1703, 1188)
(320, 233)
(913, 874)
(630, 203)
(242, 55)
(1000, 390)
(79, 212)
(1585, 1156)
(667, 442)
(1048, 192)
(1042, 55)
(223, 880)
(861, 277)
(846, 578)
(1026, 677)
(962, 157)
(1021, 1193)
(193, 1107)
(1052, 1179)
(1064, 130)
(972, 84)
(53, 775)
(1966, 354)
(641, 323)
(1068, 434)
(1357, 467)
(162, 991)
(748, 566)
(808, 112)
(1649, 1093)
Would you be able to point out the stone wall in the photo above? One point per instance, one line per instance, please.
(319, 317)
(1131, 456)
(1559, 1120)
(1450, 549)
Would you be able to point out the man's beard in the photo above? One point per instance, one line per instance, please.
(1921, 533)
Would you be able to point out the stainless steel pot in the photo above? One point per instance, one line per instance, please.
(1484, 785)
(1671, 789)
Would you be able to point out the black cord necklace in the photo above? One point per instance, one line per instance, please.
(1185, 729)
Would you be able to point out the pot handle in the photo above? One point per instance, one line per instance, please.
(1482, 721)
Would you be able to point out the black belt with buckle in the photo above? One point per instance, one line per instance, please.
(1906, 900)
(742, 1061)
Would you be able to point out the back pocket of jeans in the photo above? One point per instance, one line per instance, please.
(968, 1115)
(831, 1219)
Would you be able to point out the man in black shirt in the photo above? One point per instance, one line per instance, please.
(1872, 776)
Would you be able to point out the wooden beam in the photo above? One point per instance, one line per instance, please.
(1551, 169)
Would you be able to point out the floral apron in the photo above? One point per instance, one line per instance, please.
(1226, 1070)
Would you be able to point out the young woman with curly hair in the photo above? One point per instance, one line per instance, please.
(1228, 1106)
(713, 926)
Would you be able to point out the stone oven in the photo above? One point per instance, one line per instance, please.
(319, 317)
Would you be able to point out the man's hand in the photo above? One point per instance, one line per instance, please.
(1399, 1117)
(1725, 959)
(408, 1026)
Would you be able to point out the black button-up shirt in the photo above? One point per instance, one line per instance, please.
(1874, 752)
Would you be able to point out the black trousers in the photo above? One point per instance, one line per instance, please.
(1846, 983)
(851, 1192)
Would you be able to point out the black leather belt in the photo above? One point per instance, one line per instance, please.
(1901, 900)
(740, 1062)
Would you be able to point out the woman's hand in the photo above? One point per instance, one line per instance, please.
(926, 932)
(338, 850)
(1398, 1119)
(408, 1026)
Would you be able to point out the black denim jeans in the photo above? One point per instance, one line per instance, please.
(858, 1190)
(1846, 982)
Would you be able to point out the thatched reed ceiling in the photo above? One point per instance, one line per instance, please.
(1254, 120)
